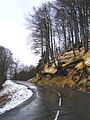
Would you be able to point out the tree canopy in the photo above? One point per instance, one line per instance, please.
(59, 25)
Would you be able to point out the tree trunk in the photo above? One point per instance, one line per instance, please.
(73, 48)
(64, 32)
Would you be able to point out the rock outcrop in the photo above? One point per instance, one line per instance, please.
(77, 74)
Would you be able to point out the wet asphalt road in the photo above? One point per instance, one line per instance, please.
(44, 105)
(75, 105)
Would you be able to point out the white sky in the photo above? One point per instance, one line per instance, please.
(13, 33)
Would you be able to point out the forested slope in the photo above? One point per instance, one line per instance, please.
(75, 73)
(60, 33)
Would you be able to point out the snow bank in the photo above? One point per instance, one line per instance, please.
(17, 94)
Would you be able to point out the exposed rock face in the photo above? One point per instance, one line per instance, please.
(81, 74)
(49, 70)
(78, 73)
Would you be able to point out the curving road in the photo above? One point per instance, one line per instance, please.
(45, 104)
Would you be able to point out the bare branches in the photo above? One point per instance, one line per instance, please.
(60, 25)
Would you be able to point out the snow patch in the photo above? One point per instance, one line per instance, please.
(17, 94)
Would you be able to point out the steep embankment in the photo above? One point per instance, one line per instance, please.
(75, 72)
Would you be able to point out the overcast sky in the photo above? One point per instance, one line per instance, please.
(13, 33)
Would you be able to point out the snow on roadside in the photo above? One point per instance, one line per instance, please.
(17, 94)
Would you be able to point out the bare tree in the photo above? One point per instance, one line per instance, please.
(63, 24)
(5, 63)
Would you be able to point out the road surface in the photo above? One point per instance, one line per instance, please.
(46, 104)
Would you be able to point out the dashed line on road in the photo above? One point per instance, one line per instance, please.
(56, 117)
(59, 104)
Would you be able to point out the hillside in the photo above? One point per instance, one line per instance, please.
(75, 72)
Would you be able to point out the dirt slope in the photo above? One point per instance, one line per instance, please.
(75, 72)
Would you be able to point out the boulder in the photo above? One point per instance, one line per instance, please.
(49, 70)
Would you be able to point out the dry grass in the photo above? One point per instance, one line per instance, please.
(4, 99)
(67, 81)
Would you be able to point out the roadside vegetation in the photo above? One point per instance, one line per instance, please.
(6, 64)
(24, 73)
(60, 32)
(13, 69)
(75, 74)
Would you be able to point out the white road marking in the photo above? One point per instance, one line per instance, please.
(59, 104)
(56, 117)
(59, 98)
